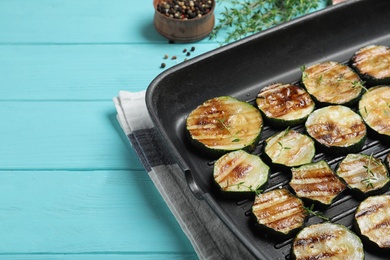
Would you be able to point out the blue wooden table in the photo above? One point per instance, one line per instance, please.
(70, 184)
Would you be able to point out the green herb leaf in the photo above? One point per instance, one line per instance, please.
(311, 212)
(241, 18)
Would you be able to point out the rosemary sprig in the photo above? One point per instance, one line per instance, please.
(311, 212)
(245, 17)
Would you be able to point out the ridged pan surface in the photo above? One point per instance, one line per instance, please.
(240, 70)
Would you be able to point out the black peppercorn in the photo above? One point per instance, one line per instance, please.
(185, 9)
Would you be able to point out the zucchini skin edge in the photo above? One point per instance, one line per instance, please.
(369, 245)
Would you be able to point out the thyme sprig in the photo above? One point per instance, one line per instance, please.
(282, 147)
(242, 18)
(369, 180)
(256, 190)
(233, 135)
(310, 210)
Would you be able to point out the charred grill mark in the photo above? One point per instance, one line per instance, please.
(312, 240)
(369, 210)
(373, 60)
(287, 99)
(319, 184)
(325, 186)
(288, 223)
(320, 173)
(331, 133)
(384, 224)
(233, 170)
(279, 206)
(279, 210)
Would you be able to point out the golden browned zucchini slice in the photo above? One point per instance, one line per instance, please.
(240, 172)
(374, 107)
(224, 124)
(284, 104)
(332, 83)
(363, 174)
(337, 129)
(372, 63)
(289, 148)
(279, 211)
(372, 219)
(316, 182)
(327, 241)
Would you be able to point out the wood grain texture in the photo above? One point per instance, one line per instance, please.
(85, 72)
(62, 135)
(71, 185)
(76, 212)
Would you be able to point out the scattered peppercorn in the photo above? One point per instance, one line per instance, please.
(188, 53)
(174, 57)
(162, 65)
(192, 48)
(185, 50)
(185, 9)
(166, 56)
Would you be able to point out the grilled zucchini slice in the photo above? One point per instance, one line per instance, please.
(327, 241)
(374, 107)
(316, 182)
(332, 83)
(289, 148)
(224, 124)
(284, 104)
(337, 129)
(364, 174)
(240, 172)
(387, 161)
(372, 221)
(279, 211)
(372, 63)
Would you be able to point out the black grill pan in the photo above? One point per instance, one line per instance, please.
(241, 69)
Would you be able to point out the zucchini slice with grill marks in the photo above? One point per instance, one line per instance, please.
(387, 162)
(372, 63)
(240, 172)
(284, 104)
(372, 221)
(364, 174)
(327, 241)
(280, 212)
(337, 129)
(224, 124)
(332, 83)
(289, 148)
(316, 182)
(374, 107)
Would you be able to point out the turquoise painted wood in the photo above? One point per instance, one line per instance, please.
(71, 187)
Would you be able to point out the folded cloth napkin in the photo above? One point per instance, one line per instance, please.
(210, 238)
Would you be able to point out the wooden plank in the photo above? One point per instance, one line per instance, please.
(104, 256)
(85, 212)
(57, 21)
(84, 72)
(72, 21)
(63, 135)
(88, 21)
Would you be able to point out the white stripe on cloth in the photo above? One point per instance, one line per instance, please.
(210, 238)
